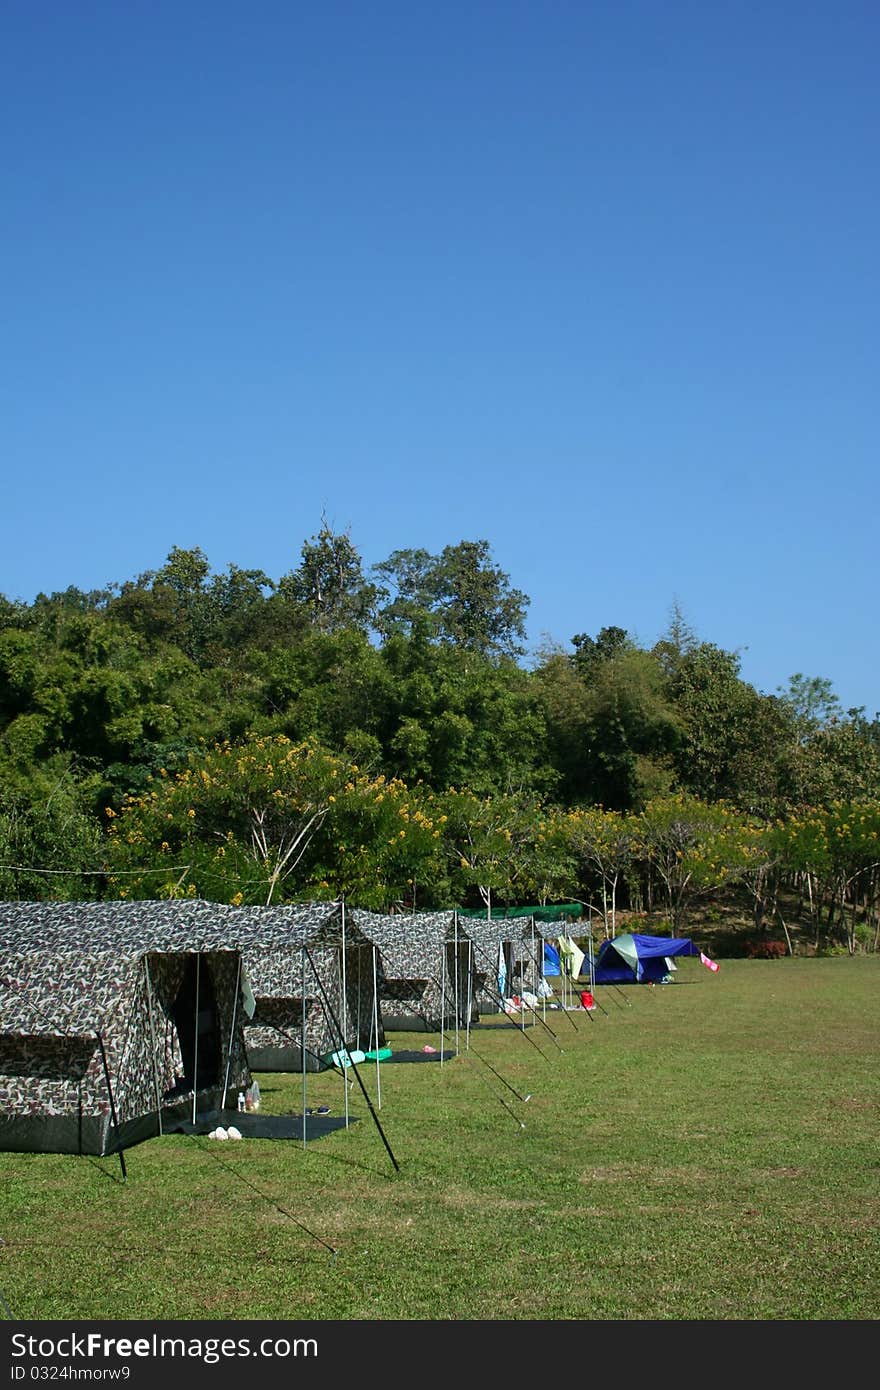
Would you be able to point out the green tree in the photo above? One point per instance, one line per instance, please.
(460, 596)
(330, 584)
(51, 847)
(611, 731)
(490, 843)
(380, 845)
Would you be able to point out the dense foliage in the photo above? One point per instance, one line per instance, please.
(380, 735)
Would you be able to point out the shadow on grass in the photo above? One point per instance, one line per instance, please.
(114, 1174)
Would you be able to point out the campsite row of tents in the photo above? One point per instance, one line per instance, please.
(115, 1017)
(119, 1018)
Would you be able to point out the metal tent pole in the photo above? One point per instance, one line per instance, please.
(232, 1031)
(343, 1014)
(112, 1105)
(329, 1009)
(196, 1039)
(376, 1024)
(455, 992)
(470, 994)
(302, 1034)
(442, 996)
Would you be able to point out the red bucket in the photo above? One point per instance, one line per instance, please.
(587, 1000)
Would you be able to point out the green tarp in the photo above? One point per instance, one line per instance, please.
(558, 912)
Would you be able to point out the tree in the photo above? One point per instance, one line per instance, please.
(235, 823)
(590, 652)
(812, 701)
(460, 597)
(51, 847)
(736, 745)
(380, 844)
(407, 594)
(330, 583)
(602, 846)
(490, 844)
(694, 848)
(454, 718)
(611, 730)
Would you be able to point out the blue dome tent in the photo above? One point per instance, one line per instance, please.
(635, 959)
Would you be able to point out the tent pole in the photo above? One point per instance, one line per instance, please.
(376, 1027)
(302, 1036)
(196, 1038)
(455, 993)
(498, 999)
(593, 967)
(328, 1006)
(231, 1033)
(112, 1105)
(537, 971)
(470, 995)
(442, 997)
(533, 961)
(516, 1025)
(153, 1045)
(343, 1014)
(592, 962)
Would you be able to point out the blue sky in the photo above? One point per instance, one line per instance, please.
(597, 282)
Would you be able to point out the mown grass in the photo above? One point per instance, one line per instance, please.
(702, 1150)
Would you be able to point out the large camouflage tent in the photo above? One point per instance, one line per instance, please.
(308, 978)
(307, 962)
(427, 967)
(114, 1020)
(496, 956)
(517, 938)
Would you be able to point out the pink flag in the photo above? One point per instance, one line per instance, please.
(709, 964)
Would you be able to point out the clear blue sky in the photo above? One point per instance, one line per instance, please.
(595, 280)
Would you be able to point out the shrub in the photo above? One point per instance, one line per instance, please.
(766, 950)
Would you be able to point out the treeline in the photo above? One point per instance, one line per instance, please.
(412, 672)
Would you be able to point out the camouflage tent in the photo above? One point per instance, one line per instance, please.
(529, 951)
(427, 967)
(314, 977)
(305, 970)
(499, 944)
(106, 1034)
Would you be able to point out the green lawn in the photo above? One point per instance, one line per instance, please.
(701, 1150)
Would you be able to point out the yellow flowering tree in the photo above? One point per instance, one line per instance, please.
(603, 846)
(490, 844)
(692, 847)
(234, 825)
(380, 843)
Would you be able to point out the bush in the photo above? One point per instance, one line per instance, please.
(766, 950)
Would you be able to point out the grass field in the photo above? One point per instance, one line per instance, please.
(706, 1149)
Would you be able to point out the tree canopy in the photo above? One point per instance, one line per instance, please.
(307, 721)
